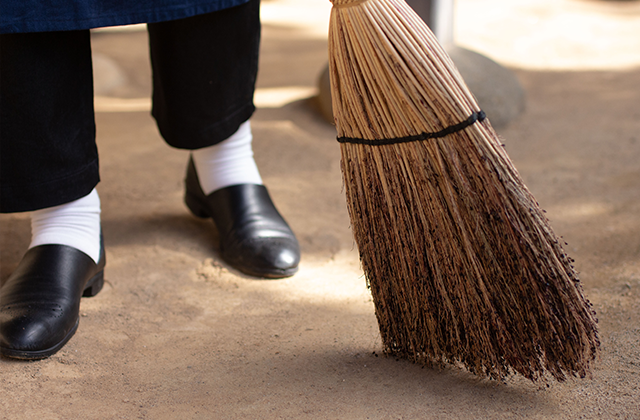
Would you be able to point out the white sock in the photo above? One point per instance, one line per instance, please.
(75, 224)
(227, 163)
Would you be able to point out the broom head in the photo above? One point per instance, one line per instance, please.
(462, 264)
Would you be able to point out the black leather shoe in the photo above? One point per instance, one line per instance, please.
(40, 301)
(254, 238)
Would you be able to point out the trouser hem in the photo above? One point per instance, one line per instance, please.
(30, 196)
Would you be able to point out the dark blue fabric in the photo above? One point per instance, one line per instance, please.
(20, 16)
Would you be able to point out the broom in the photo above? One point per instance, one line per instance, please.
(462, 264)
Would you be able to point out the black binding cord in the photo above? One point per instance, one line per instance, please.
(475, 117)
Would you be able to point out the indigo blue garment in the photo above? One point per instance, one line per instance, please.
(21, 16)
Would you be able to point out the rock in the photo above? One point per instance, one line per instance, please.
(496, 88)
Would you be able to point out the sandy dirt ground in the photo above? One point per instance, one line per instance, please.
(177, 334)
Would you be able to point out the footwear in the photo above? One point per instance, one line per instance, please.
(40, 301)
(254, 238)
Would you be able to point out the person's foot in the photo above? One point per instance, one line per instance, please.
(254, 238)
(40, 301)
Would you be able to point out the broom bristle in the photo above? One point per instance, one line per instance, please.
(462, 264)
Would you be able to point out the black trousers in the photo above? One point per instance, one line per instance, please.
(204, 73)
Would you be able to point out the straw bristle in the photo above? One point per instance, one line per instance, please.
(462, 263)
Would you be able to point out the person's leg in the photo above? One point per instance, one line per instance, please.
(204, 71)
(48, 165)
(204, 74)
(48, 154)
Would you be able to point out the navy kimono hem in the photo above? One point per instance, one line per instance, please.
(21, 16)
